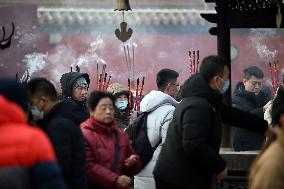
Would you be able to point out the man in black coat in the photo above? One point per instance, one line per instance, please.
(190, 155)
(250, 96)
(60, 122)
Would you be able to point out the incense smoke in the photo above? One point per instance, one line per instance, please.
(257, 38)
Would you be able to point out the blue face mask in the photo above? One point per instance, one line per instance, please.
(225, 87)
(121, 104)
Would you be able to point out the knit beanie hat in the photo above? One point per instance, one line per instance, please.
(117, 89)
(14, 91)
(81, 81)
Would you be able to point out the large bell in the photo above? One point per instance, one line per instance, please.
(123, 5)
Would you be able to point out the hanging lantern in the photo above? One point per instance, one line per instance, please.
(122, 33)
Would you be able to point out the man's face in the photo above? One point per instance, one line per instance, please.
(80, 93)
(218, 81)
(104, 111)
(172, 89)
(253, 84)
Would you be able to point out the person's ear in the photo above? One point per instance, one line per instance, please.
(244, 81)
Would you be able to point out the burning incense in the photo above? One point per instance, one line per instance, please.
(136, 95)
(272, 76)
(77, 68)
(133, 68)
(190, 62)
(141, 93)
(104, 82)
(100, 81)
(127, 63)
(108, 82)
(97, 76)
(129, 96)
(197, 66)
(193, 59)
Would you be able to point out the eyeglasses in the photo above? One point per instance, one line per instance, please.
(175, 84)
(254, 83)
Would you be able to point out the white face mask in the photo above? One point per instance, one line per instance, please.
(121, 104)
(37, 114)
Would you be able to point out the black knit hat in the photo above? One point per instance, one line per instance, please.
(14, 91)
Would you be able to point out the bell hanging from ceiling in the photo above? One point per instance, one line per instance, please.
(123, 5)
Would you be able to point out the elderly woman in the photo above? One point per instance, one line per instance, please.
(110, 159)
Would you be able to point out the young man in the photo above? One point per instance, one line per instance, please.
(250, 96)
(60, 123)
(161, 105)
(190, 155)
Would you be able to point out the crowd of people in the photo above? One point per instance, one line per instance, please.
(78, 139)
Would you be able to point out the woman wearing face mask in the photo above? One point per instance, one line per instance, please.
(121, 103)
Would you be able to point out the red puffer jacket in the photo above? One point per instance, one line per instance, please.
(100, 154)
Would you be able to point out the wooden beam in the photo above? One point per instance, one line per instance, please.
(211, 17)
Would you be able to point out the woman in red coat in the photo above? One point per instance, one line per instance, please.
(110, 159)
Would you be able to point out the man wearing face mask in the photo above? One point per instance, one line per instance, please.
(190, 155)
(60, 122)
(122, 108)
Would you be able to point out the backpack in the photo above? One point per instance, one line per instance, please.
(137, 133)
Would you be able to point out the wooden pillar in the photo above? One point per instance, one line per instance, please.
(224, 50)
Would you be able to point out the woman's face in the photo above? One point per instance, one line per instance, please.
(104, 111)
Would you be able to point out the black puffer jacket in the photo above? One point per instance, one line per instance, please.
(190, 155)
(244, 140)
(61, 125)
(67, 82)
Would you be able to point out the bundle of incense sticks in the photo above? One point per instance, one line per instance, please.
(100, 81)
(130, 62)
(129, 96)
(24, 79)
(136, 95)
(77, 68)
(193, 57)
(274, 74)
(140, 95)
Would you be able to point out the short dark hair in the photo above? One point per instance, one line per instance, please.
(211, 66)
(42, 87)
(253, 71)
(95, 98)
(164, 77)
(277, 106)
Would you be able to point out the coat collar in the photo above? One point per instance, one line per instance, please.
(92, 124)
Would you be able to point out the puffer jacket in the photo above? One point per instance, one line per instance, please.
(161, 107)
(27, 159)
(62, 125)
(244, 140)
(190, 154)
(100, 141)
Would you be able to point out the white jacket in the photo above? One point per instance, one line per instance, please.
(162, 107)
